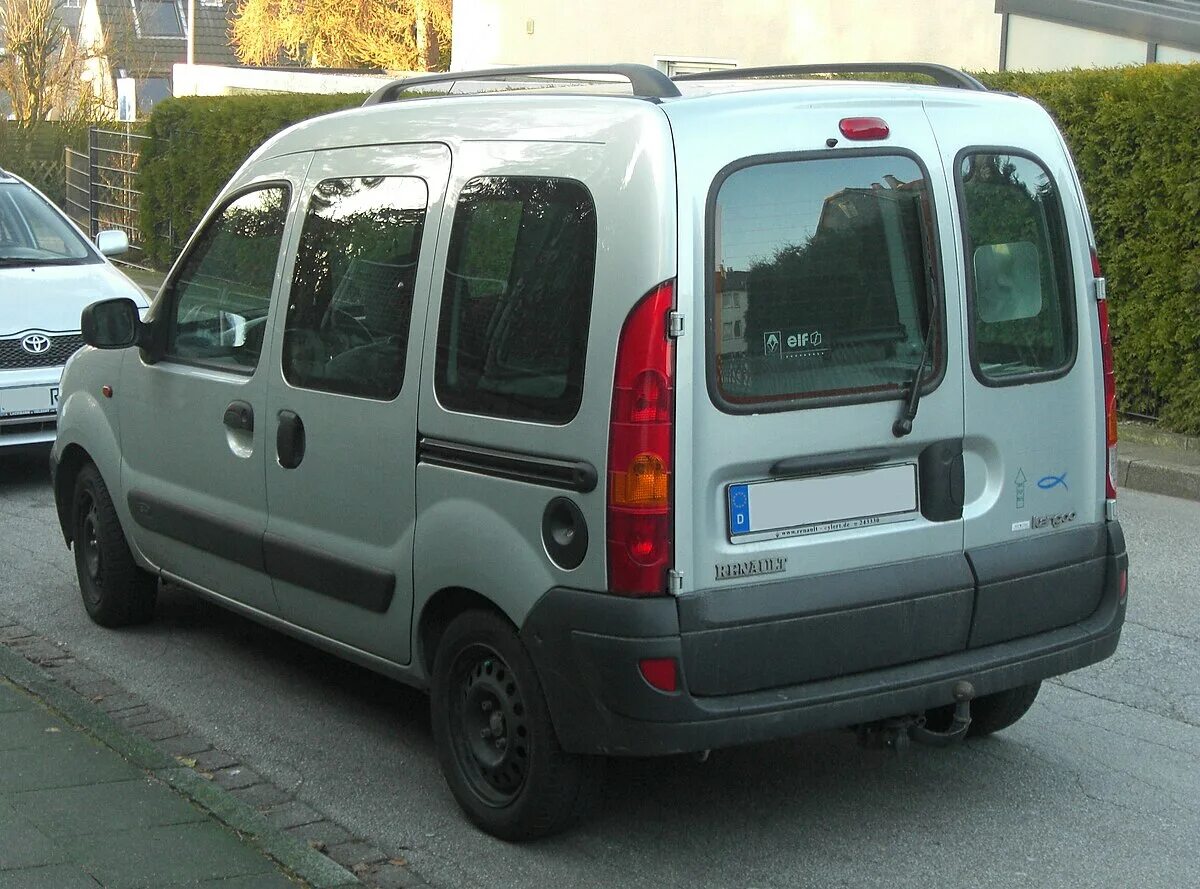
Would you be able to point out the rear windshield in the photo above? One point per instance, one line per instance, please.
(820, 281)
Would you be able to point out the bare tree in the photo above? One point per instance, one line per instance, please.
(41, 64)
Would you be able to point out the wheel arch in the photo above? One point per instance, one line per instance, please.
(72, 459)
(439, 610)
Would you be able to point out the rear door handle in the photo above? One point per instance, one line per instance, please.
(240, 415)
(289, 440)
(830, 462)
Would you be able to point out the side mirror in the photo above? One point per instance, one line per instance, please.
(111, 324)
(112, 242)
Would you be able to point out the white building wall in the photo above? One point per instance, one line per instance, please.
(1035, 45)
(962, 33)
(224, 80)
(1173, 54)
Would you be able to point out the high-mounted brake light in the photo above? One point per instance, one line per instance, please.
(641, 449)
(864, 129)
(1110, 380)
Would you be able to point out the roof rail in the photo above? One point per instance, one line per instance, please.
(942, 75)
(647, 82)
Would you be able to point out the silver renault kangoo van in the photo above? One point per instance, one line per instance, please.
(629, 420)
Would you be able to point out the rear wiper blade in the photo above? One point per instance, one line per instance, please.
(904, 423)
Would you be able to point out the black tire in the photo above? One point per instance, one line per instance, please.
(996, 712)
(495, 741)
(116, 592)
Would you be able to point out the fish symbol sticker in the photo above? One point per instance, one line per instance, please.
(1050, 482)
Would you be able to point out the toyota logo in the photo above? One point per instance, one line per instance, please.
(36, 344)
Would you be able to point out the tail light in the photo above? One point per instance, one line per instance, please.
(1110, 381)
(641, 449)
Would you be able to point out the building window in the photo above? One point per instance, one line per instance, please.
(158, 18)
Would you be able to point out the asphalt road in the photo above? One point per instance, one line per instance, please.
(1098, 786)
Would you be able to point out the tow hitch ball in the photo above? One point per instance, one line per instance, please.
(898, 733)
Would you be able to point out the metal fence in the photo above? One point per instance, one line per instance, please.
(102, 185)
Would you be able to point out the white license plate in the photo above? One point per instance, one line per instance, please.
(835, 502)
(28, 400)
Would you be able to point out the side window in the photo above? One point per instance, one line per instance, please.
(352, 290)
(516, 303)
(1023, 320)
(222, 292)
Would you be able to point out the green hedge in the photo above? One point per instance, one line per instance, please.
(1133, 132)
(1135, 137)
(197, 145)
(37, 154)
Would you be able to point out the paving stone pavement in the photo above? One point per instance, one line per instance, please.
(74, 813)
(314, 851)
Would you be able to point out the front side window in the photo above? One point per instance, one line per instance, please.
(1017, 267)
(352, 290)
(222, 291)
(33, 233)
(822, 281)
(516, 303)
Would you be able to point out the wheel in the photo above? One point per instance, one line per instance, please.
(497, 747)
(116, 592)
(995, 712)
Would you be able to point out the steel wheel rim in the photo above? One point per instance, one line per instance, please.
(488, 725)
(89, 550)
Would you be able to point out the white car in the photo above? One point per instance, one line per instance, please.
(48, 274)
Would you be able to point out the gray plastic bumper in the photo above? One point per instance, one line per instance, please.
(587, 646)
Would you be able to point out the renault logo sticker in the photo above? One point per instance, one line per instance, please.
(36, 344)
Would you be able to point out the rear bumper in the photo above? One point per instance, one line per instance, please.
(587, 646)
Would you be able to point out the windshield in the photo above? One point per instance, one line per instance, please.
(33, 233)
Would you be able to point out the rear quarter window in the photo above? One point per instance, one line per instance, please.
(821, 281)
(1022, 312)
(517, 298)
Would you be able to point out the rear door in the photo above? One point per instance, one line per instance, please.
(1034, 411)
(342, 396)
(820, 273)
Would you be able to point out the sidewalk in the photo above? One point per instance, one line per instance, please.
(73, 813)
(86, 802)
(1158, 462)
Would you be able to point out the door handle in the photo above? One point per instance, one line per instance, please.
(240, 415)
(289, 440)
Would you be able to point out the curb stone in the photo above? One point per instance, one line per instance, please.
(50, 672)
(1158, 478)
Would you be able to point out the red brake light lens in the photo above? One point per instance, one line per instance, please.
(864, 129)
(641, 449)
(1110, 389)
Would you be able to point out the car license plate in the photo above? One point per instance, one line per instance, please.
(835, 502)
(28, 400)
